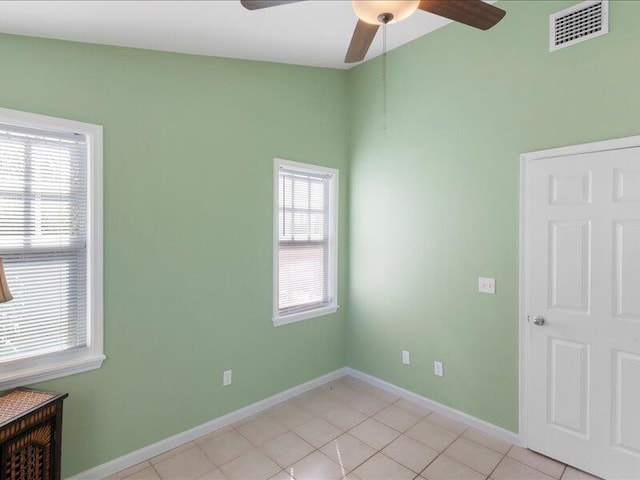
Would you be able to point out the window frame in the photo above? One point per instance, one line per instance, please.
(332, 275)
(40, 368)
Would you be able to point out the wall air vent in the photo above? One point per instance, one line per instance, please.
(578, 23)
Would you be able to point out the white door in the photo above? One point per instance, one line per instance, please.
(582, 251)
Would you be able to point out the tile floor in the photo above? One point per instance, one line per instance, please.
(349, 430)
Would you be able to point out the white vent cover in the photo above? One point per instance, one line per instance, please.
(578, 23)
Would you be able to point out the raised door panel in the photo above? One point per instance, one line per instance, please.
(626, 279)
(570, 189)
(570, 266)
(568, 386)
(626, 392)
(626, 185)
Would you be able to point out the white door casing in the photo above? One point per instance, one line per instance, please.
(580, 271)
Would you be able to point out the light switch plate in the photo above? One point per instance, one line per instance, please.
(406, 357)
(438, 369)
(227, 377)
(487, 285)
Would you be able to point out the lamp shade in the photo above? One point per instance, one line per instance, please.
(5, 294)
(370, 10)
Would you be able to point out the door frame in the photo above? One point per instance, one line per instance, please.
(525, 158)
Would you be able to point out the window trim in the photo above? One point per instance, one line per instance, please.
(278, 319)
(47, 367)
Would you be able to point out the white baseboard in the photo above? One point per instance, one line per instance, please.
(146, 453)
(437, 407)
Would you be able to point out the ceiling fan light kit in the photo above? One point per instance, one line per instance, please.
(373, 13)
(378, 12)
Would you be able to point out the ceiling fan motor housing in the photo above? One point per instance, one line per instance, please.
(374, 13)
(385, 18)
(381, 12)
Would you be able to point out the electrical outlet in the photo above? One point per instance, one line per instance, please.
(406, 357)
(227, 378)
(438, 369)
(487, 285)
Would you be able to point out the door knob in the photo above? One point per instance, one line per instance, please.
(539, 321)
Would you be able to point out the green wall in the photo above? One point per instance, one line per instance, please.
(427, 206)
(188, 151)
(434, 198)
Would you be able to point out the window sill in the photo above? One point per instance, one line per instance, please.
(298, 317)
(48, 370)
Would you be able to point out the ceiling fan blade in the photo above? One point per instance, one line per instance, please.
(259, 4)
(474, 13)
(361, 40)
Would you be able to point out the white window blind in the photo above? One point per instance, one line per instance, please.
(306, 239)
(43, 240)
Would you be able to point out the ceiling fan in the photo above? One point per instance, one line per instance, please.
(374, 13)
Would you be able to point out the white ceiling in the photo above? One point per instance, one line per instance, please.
(314, 32)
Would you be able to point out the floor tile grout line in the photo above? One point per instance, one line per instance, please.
(563, 470)
(216, 466)
(537, 469)
(380, 451)
(318, 449)
(504, 455)
(287, 430)
(442, 453)
(485, 446)
(259, 447)
(347, 431)
(468, 466)
(316, 416)
(320, 414)
(156, 471)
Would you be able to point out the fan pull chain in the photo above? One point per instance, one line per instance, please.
(384, 76)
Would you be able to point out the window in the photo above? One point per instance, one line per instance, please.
(51, 242)
(305, 234)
